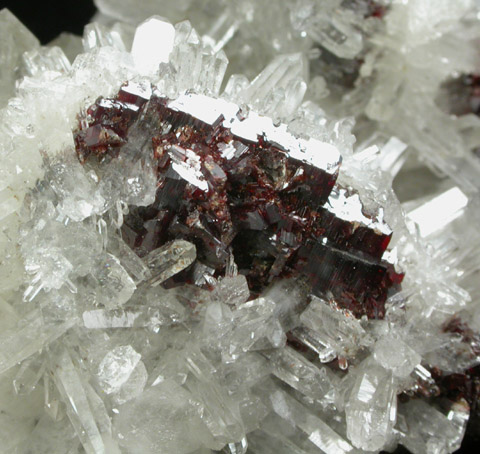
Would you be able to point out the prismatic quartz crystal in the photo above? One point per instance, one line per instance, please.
(237, 235)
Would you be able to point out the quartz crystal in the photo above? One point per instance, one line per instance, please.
(241, 228)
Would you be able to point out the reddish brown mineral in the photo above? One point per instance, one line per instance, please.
(233, 182)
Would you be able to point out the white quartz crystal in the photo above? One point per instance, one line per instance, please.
(152, 44)
(371, 409)
(116, 368)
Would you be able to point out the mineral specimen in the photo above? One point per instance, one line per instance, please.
(234, 183)
(194, 263)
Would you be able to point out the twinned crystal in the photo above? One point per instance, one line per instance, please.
(202, 246)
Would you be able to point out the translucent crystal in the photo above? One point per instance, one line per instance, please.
(206, 273)
(29, 374)
(332, 28)
(283, 73)
(255, 327)
(428, 430)
(55, 409)
(158, 419)
(439, 211)
(97, 35)
(339, 332)
(318, 432)
(134, 385)
(114, 285)
(134, 266)
(169, 260)
(236, 448)
(44, 59)
(116, 368)
(162, 310)
(396, 355)
(291, 367)
(15, 39)
(232, 290)
(76, 190)
(29, 336)
(85, 409)
(51, 436)
(18, 413)
(221, 413)
(371, 410)
(152, 44)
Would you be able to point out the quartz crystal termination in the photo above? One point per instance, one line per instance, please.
(233, 182)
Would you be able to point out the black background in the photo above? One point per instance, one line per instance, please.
(48, 18)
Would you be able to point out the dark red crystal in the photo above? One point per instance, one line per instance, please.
(232, 182)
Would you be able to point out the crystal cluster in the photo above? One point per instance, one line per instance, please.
(241, 235)
(244, 190)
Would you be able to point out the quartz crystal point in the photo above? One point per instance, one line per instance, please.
(318, 432)
(146, 51)
(292, 368)
(169, 259)
(85, 409)
(338, 332)
(371, 409)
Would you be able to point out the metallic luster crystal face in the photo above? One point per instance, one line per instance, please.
(233, 182)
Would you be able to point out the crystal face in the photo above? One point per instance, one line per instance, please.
(235, 184)
(251, 233)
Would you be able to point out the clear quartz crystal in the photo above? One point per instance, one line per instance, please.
(134, 385)
(116, 368)
(232, 290)
(282, 78)
(220, 412)
(29, 374)
(319, 383)
(396, 355)
(114, 285)
(338, 331)
(371, 409)
(147, 53)
(319, 433)
(167, 310)
(169, 260)
(158, 419)
(44, 59)
(84, 408)
(425, 429)
(98, 35)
